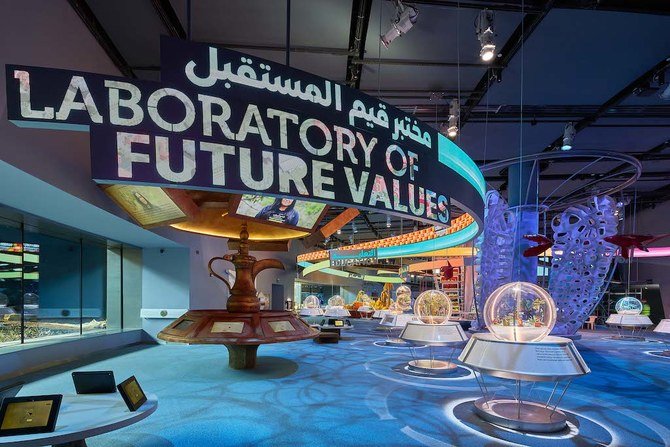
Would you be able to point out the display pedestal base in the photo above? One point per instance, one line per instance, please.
(432, 367)
(628, 337)
(242, 356)
(522, 416)
(396, 342)
(81, 443)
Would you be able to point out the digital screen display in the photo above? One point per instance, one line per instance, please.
(287, 212)
(27, 414)
(148, 205)
(134, 392)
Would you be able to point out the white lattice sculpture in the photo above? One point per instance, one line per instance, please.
(582, 260)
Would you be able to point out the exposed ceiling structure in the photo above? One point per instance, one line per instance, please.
(596, 63)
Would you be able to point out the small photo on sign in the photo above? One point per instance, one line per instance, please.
(285, 211)
(234, 327)
(281, 326)
(148, 205)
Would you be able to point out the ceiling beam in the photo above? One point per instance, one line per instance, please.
(169, 18)
(528, 24)
(656, 7)
(95, 27)
(358, 31)
(421, 63)
(370, 226)
(620, 96)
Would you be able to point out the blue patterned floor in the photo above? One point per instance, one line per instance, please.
(357, 393)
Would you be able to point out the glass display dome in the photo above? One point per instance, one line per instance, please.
(365, 299)
(433, 307)
(311, 302)
(403, 297)
(336, 301)
(520, 311)
(628, 305)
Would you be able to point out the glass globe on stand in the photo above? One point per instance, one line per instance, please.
(311, 302)
(628, 305)
(520, 311)
(403, 297)
(336, 301)
(433, 307)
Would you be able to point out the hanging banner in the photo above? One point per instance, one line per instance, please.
(225, 121)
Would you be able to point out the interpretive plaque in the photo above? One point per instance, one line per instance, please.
(234, 327)
(281, 326)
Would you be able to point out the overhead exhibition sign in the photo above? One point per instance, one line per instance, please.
(222, 120)
(344, 257)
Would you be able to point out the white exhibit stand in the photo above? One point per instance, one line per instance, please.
(397, 321)
(663, 326)
(381, 313)
(553, 359)
(83, 416)
(311, 312)
(449, 334)
(626, 322)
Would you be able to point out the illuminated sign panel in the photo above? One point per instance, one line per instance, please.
(343, 258)
(225, 121)
(284, 212)
(148, 205)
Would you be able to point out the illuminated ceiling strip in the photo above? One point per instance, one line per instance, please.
(438, 243)
(314, 267)
(654, 252)
(453, 156)
(343, 274)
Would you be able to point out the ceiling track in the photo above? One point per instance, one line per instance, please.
(360, 18)
(529, 23)
(95, 27)
(169, 18)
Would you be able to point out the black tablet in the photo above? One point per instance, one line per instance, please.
(94, 382)
(132, 393)
(29, 414)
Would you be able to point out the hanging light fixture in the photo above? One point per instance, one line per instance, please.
(404, 20)
(388, 221)
(454, 117)
(339, 231)
(353, 227)
(568, 136)
(485, 33)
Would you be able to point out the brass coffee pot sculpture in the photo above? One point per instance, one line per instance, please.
(242, 327)
(243, 296)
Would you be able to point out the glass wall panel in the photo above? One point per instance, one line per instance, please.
(57, 282)
(11, 285)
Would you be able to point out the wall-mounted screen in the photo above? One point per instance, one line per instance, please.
(151, 206)
(286, 212)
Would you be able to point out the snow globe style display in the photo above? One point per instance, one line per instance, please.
(520, 311)
(628, 305)
(403, 297)
(336, 308)
(628, 321)
(520, 316)
(433, 307)
(311, 307)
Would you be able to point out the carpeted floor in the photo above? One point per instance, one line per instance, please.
(358, 393)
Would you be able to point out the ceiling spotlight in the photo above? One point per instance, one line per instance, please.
(451, 130)
(404, 20)
(485, 33)
(339, 231)
(388, 221)
(351, 239)
(568, 136)
(353, 227)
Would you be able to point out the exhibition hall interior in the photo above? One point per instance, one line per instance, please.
(334, 223)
